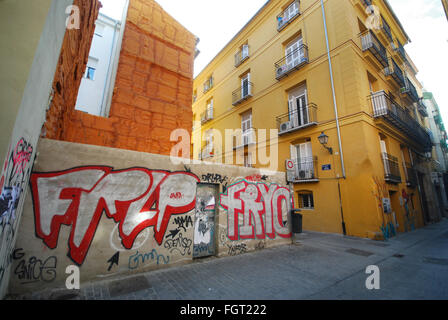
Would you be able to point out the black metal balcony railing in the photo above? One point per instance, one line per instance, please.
(242, 93)
(402, 52)
(293, 61)
(287, 16)
(371, 43)
(241, 56)
(297, 119)
(422, 108)
(395, 72)
(391, 168)
(383, 106)
(410, 90)
(386, 29)
(411, 176)
(305, 169)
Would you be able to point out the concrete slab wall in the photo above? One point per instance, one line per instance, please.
(115, 212)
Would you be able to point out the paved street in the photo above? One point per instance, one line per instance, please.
(317, 266)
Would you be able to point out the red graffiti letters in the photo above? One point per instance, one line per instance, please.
(263, 209)
(136, 198)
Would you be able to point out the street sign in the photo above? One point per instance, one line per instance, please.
(326, 167)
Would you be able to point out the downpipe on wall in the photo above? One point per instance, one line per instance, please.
(341, 154)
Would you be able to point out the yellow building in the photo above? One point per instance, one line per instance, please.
(322, 69)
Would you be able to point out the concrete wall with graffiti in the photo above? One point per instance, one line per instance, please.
(112, 211)
(39, 39)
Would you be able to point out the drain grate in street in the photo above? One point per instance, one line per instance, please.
(443, 262)
(125, 286)
(359, 252)
(398, 255)
(379, 244)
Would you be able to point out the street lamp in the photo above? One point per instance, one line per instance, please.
(323, 139)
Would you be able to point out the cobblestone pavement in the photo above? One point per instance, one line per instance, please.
(413, 265)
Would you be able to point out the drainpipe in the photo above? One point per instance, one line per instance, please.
(108, 76)
(344, 231)
(334, 92)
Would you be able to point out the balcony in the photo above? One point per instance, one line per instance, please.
(384, 107)
(422, 108)
(395, 72)
(305, 170)
(207, 116)
(242, 93)
(386, 29)
(402, 52)
(242, 55)
(391, 168)
(411, 176)
(292, 62)
(297, 119)
(246, 138)
(288, 16)
(207, 152)
(410, 91)
(370, 43)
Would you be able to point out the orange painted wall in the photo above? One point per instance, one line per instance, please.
(153, 87)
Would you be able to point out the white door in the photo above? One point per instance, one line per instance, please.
(298, 109)
(305, 165)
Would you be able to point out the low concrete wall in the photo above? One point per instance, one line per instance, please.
(112, 211)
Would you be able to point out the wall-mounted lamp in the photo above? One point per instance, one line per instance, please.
(323, 139)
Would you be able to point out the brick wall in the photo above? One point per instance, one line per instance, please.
(153, 87)
(71, 66)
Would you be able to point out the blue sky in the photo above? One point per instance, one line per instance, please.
(215, 22)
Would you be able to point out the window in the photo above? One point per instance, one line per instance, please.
(90, 73)
(195, 95)
(245, 86)
(306, 200)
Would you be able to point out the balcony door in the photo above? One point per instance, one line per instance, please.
(294, 53)
(246, 127)
(245, 86)
(302, 154)
(298, 107)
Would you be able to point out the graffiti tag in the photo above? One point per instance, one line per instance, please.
(136, 198)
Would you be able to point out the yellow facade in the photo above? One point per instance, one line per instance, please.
(290, 90)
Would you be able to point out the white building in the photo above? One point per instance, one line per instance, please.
(440, 156)
(93, 92)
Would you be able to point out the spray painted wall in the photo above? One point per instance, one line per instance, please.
(35, 36)
(112, 211)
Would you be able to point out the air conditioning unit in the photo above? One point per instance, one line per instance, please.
(281, 70)
(305, 174)
(285, 126)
